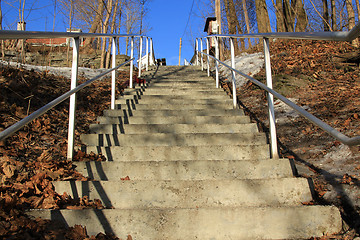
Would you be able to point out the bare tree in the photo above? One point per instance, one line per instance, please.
(280, 18)
(333, 15)
(262, 16)
(109, 9)
(2, 41)
(351, 19)
(112, 30)
(96, 22)
(247, 20)
(326, 15)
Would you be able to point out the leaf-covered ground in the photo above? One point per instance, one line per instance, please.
(36, 155)
(323, 77)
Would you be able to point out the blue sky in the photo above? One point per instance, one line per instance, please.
(166, 19)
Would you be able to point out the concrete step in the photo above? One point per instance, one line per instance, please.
(184, 87)
(155, 98)
(170, 139)
(243, 223)
(175, 92)
(176, 106)
(175, 120)
(200, 177)
(172, 128)
(167, 113)
(179, 153)
(187, 170)
(152, 90)
(179, 84)
(191, 193)
(194, 82)
(174, 101)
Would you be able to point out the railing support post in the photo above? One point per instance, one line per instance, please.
(152, 51)
(113, 74)
(147, 54)
(233, 73)
(72, 107)
(201, 56)
(270, 97)
(216, 62)
(208, 58)
(140, 55)
(131, 63)
(197, 52)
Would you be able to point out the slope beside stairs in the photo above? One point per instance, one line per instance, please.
(198, 169)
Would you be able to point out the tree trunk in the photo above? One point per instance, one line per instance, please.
(301, 16)
(96, 23)
(236, 22)
(262, 16)
(325, 15)
(70, 25)
(247, 20)
(105, 29)
(333, 15)
(280, 18)
(358, 8)
(289, 17)
(2, 41)
(112, 30)
(351, 19)
(231, 24)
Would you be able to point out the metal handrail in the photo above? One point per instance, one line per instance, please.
(336, 36)
(332, 131)
(15, 34)
(332, 36)
(18, 125)
(10, 34)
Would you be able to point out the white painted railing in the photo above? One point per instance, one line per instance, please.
(334, 36)
(4, 35)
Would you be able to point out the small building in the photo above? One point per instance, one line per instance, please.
(54, 41)
(211, 28)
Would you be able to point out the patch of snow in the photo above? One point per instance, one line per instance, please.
(338, 153)
(283, 112)
(249, 64)
(59, 71)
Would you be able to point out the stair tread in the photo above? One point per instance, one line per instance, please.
(210, 223)
(191, 193)
(187, 169)
(173, 153)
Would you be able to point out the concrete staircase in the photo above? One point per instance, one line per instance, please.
(198, 169)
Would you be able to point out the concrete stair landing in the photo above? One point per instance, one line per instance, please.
(198, 169)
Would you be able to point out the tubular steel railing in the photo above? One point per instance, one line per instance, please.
(335, 36)
(5, 34)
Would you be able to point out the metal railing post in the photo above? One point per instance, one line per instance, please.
(216, 62)
(113, 74)
(208, 59)
(131, 63)
(196, 52)
(270, 97)
(232, 72)
(152, 51)
(147, 54)
(72, 107)
(140, 55)
(201, 56)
